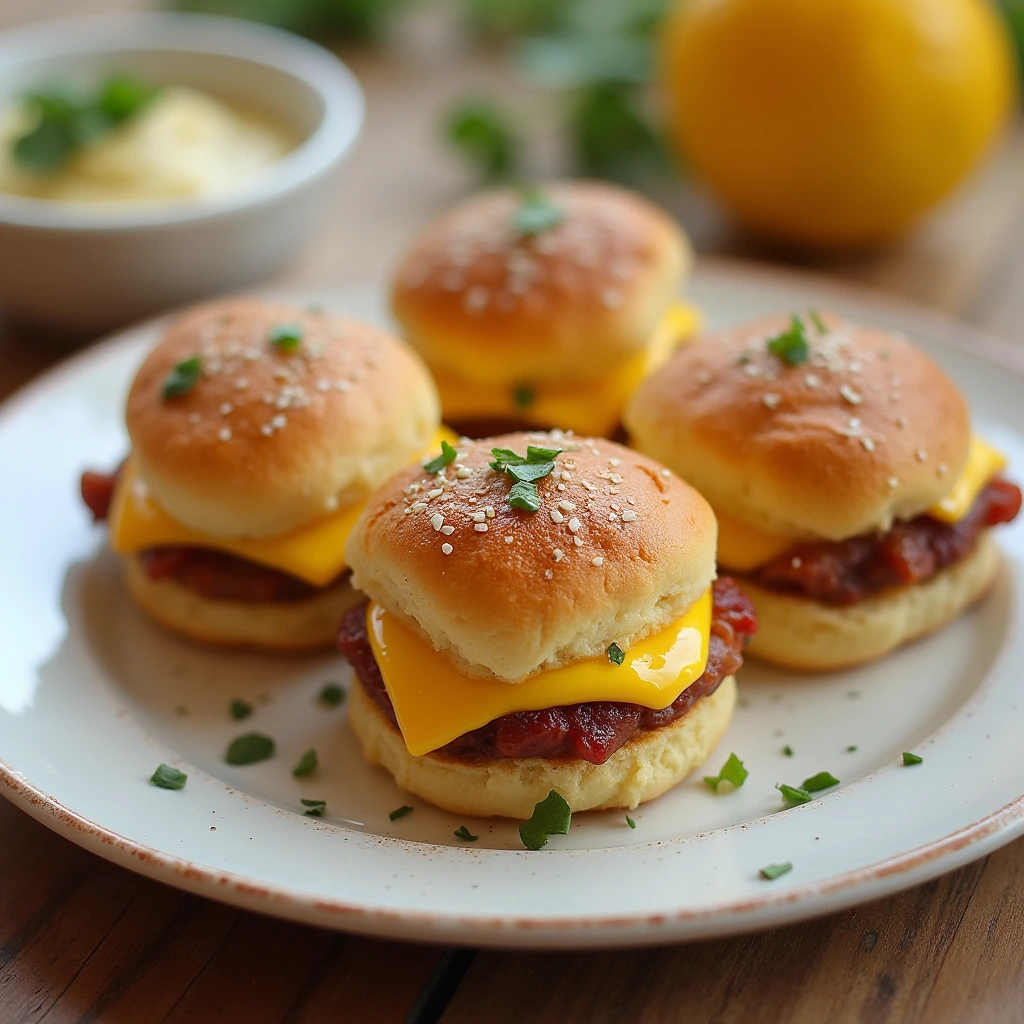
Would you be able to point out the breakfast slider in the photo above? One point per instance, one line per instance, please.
(545, 307)
(543, 615)
(258, 432)
(854, 504)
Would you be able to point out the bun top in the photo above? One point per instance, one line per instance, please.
(557, 286)
(619, 548)
(273, 436)
(865, 431)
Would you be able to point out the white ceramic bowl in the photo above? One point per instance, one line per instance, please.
(83, 268)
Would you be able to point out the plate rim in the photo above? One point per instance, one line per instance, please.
(743, 914)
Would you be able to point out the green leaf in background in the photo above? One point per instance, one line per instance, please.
(484, 135)
(320, 19)
(1013, 11)
(514, 17)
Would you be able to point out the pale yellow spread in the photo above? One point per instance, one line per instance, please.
(185, 144)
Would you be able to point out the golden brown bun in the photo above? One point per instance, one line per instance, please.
(307, 625)
(798, 633)
(782, 448)
(267, 441)
(640, 770)
(477, 298)
(508, 608)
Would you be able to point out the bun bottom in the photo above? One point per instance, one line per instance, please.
(640, 770)
(796, 632)
(307, 625)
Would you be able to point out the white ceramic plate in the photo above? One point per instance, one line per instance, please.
(93, 698)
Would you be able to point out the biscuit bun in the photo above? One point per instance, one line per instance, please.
(481, 299)
(287, 626)
(268, 439)
(629, 550)
(643, 768)
(866, 431)
(799, 633)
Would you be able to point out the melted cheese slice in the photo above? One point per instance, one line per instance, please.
(434, 703)
(314, 553)
(743, 547)
(593, 407)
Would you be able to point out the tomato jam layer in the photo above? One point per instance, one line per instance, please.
(213, 575)
(590, 732)
(845, 572)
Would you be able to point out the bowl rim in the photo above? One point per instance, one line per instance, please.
(315, 156)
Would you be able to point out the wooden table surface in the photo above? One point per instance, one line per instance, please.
(81, 939)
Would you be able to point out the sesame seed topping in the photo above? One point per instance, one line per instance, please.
(851, 396)
(437, 521)
(476, 298)
(566, 475)
(574, 525)
(796, 561)
(480, 527)
(893, 482)
(615, 462)
(567, 506)
(812, 380)
(548, 574)
(556, 516)
(771, 399)
(224, 433)
(611, 298)
(902, 422)
(489, 511)
(418, 506)
(666, 472)
(446, 548)
(193, 417)
(578, 541)
(435, 493)
(868, 444)
(241, 383)
(479, 517)
(343, 385)
(558, 554)
(628, 516)
(509, 538)
(323, 384)
(447, 529)
(463, 472)
(279, 421)
(751, 369)
(943, 469)
(559, 487)
(597, 560)
(225, 408)
(331, 502)
(589, 486)
(921, 455)
(266, 430)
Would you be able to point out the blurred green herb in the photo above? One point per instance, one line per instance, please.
(66, 120)
(319, 19)
(485, 136)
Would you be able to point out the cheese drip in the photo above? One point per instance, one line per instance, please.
(434, 703)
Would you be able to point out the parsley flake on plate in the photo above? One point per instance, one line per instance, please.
(909, 758)
(793, 795)
(551, 817)
(167, 777)
(240, 709)
(465, 835)
(787, 751)
(816, 783)
(447, 456)
(308, 763)
(791, 345)
(249, 749)
(732, 772)
(183, 378)
(401, 812)
(851, 749)
(630, 822)
(332, 695)
(314, 808)
(773, 871)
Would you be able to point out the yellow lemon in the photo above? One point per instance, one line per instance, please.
(835, 122)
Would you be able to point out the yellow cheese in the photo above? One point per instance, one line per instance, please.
(743, 547)
(314, 553)
(434, 703)
(983, 463)
(593, 407)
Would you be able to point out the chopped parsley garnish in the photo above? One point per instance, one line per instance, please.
(551, 817)
(616, 655)
(167, 777)
(787, 751)
(249, 749)
(793, 795)
(851, 749)
(524, 494)
(630, 822)
(909, 758)
(772, 871)
(182, 379)
(823, 780)
(66, 122)
(314, 808)
(400, 812)
(240, 709)
(732, 772)
(523, 396)
(819, 324)
(332, 695)
(536, 214)
(308, 764)
(791, 345)
(465, 835)
(526, 469)
(448, 455)
(286, 337)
